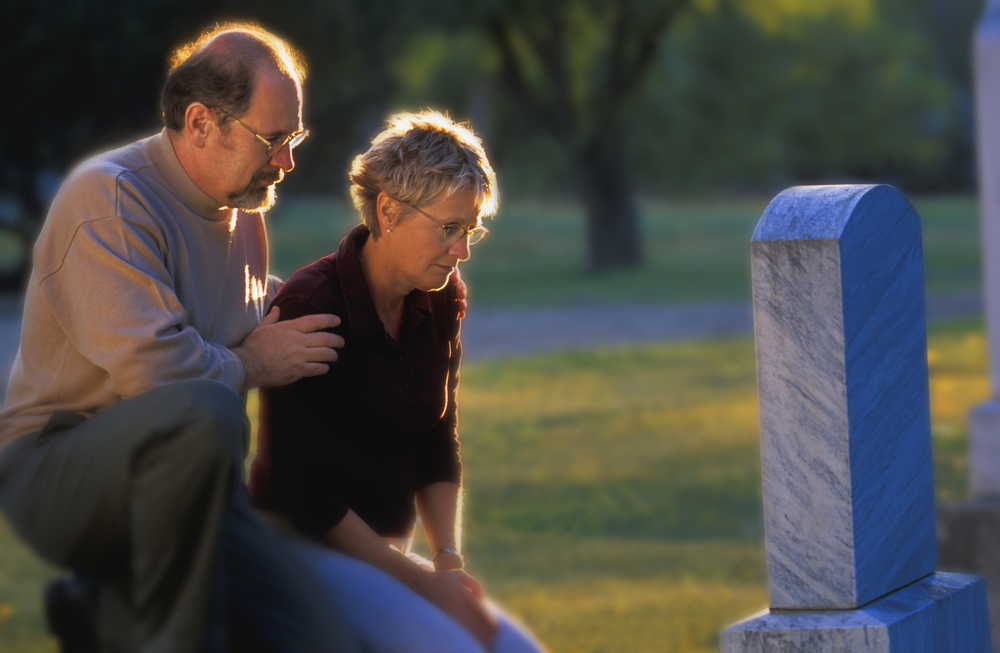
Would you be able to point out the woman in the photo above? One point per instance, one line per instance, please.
(352, 457)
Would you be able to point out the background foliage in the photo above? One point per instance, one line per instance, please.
(620, 501)
(607, 514)
(732, 95)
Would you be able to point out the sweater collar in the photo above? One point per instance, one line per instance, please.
(363, 318)
(161, 151)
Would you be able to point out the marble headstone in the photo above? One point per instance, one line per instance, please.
(984, 420)
(844, 409)
(987, 72)
(935, 615)
(968, 530)
(845, 435)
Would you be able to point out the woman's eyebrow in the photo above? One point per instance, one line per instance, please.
(460, 220)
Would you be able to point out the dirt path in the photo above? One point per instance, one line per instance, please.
(499, 333)
(492, 333)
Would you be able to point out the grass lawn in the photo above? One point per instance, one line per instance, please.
(695, 251)
(613, 498)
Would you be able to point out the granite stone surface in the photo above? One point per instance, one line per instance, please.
(842, 377)
(968, 535)
(984, 447)
(986, 57)
(984, 420)
(941, 613)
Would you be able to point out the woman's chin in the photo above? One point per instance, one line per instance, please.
(438, 278)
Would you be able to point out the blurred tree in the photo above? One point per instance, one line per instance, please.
(948, 26)
(774, 16)
(351, 47)
(743, 93)
(575, 67)
(83, 74)
(757, 105)
(87, 75)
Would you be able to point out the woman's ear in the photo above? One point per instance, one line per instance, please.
(387, 212)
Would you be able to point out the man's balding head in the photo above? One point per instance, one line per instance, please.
(220, 68)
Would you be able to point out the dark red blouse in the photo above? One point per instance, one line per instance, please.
(380, 424)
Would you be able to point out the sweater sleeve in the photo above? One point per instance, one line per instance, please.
(437, 452)
(113, 296)
(273, 286)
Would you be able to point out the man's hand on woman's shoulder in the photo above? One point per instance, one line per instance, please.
(278, 353)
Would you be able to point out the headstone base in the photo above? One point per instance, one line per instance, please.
(969, 541)
(941, 613)
(984, 449)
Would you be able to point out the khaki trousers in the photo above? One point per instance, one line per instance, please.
(148, 497)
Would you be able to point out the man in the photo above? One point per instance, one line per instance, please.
(123, 440)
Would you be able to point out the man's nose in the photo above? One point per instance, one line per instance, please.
(283, 159)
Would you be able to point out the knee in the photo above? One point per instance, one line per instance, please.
(210, 421)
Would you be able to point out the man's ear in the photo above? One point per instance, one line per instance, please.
(198, 123)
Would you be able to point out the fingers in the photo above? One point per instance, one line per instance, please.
(316, 369)
(471, 584)
(321, 354)
(461, 290)
(473, 612)
(448, 590)
(278, 353)
(310, 323)
(481, 622)
(461, 294)
(270, 318)
(322, 339)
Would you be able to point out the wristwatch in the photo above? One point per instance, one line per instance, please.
(453, 552)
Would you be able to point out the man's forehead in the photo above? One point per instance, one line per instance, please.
(277, 102)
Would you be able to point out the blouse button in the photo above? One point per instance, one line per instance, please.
(408, 384)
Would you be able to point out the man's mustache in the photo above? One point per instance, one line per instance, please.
(268, 176)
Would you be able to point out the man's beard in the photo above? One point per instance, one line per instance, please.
(253, 198)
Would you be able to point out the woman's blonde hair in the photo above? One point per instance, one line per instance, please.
(419, 159)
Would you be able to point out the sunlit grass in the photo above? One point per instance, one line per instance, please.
(695, 251)
(958, 380)
(22, 577)
(647, 615)
(536, 252)
(613, 496)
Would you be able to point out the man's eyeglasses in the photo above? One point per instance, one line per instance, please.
(275, 145)
(452, 233)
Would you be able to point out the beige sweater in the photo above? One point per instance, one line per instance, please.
(139, 280)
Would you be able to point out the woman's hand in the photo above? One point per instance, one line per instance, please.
(455, 592)
(461, 293)
(459, 595)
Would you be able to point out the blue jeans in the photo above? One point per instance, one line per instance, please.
(389, 617)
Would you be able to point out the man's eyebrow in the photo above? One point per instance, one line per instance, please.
(280, 133)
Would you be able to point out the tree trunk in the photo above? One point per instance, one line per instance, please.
(613, 231)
